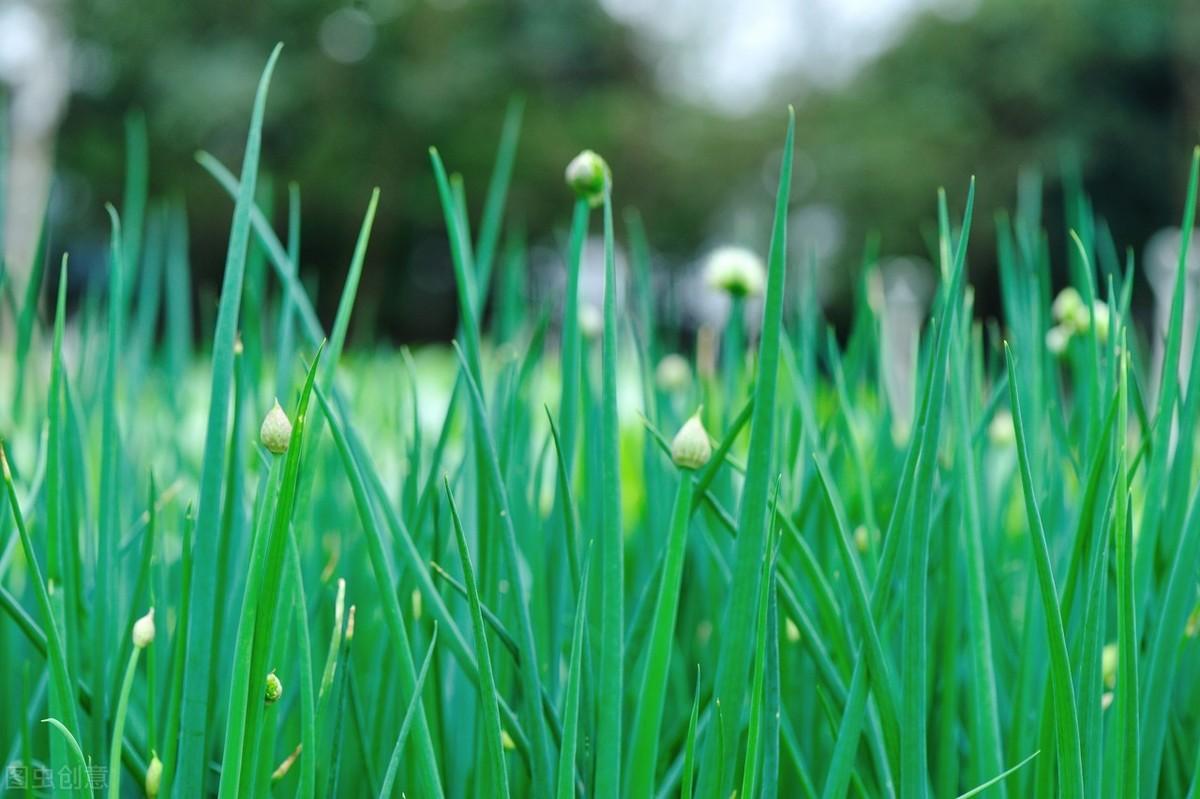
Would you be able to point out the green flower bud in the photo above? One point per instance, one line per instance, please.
(862, 538)
(736, 271)
(589, 177)
(1068, 306)
(691, 448)
(143, 630)
(276, 430)
(1100, 320)
(154, 770)
(1108, 665)
(274, 689)
(790, 630)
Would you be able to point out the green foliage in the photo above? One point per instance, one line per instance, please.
(507, 587)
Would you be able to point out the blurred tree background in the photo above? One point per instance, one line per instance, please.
(1110, 89)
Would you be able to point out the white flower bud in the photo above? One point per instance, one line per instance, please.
(589, 177)
(274, 689)
(154, 770)
(691, 448)
(673, 373)
(591, 322)
(1001, 431)
(736, 271)
(143, 630)
(276, 430)
(1057, 339)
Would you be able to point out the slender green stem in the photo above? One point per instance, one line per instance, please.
(566, 755)
(1128, 715)
(497, 775)
(647, 719)
(114, 759)
(60, 676)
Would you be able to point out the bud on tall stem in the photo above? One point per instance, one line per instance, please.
(690, 450)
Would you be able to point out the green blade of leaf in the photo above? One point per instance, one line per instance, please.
(530, 677)
(647, 719)
(410, 713)
(611, 560)
(496, 773)
(997, 779)
(716, 771)
(566, 755)
(194, 714)
(1066, 719)
(428, 779)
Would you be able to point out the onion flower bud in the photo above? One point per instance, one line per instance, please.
(276, 430)
(737, 271)
(143, 630)
(589, 177)
(691, 448)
